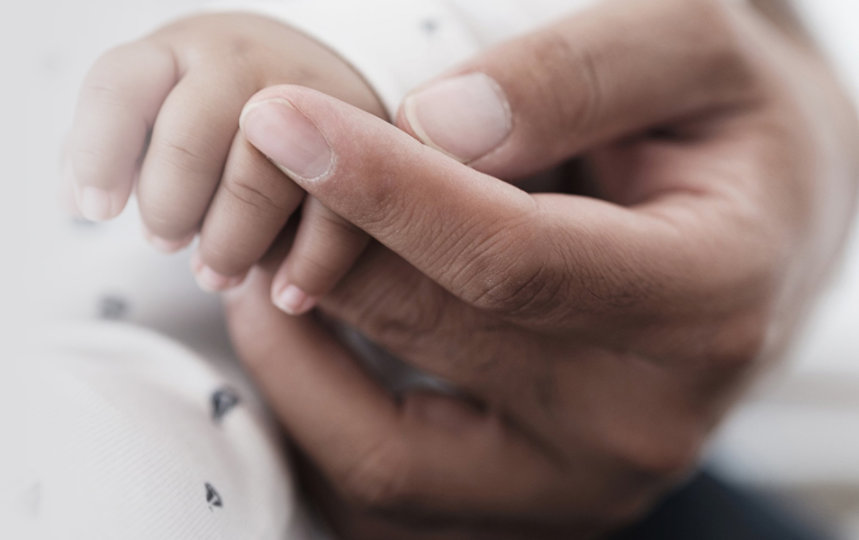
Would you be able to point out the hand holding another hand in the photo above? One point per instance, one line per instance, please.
(598, 340)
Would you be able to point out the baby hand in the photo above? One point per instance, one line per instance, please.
(162, 114)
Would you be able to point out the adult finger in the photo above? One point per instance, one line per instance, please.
(428, 452)
(612, 70)
(117, 106)
(489, 243)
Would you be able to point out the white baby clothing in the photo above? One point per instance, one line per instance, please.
(132, 418)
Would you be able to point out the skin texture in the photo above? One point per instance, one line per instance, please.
(595, 341)
(161, 116)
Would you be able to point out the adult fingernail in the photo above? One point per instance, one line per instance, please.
(293, 300)
(94, 203)
(466, 117)
(288, 138)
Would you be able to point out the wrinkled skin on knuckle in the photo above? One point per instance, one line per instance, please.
(519, 289)
(604, 289)
(624, 291)
(382, 206)
(413, 321)
(511, 273)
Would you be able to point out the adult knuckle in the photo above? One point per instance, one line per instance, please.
(622, 288)
(377, 478)
(570, 81)
(722, 48)
(746, 302)
(741, 341)
(414, 320)
(521, 288)
(383, 207)
(512, 273)
(660, 460)
(626, 508)
(653, 453)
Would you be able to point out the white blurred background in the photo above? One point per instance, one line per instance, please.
(797, 434)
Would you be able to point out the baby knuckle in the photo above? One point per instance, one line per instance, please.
(184, 153)
(110, 80)
(104, 92)
(252, 195)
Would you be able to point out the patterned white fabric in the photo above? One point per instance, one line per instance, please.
(132, 419)
(130, 435)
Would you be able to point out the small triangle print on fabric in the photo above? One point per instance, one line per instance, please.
(223, 401)
(213, 497)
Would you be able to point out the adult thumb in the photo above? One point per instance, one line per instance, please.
(613, 70)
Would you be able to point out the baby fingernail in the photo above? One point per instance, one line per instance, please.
(94, 203)
(167, 246)
(465, 117)
(288, 138)
(293, 300)
(210, 280)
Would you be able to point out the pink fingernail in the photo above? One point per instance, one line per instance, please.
(94, 203)
(167, 246)
(208, 279)
(212, 281)
(465, 117)
(294, 301)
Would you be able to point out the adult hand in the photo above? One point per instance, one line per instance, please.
(598, 341)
